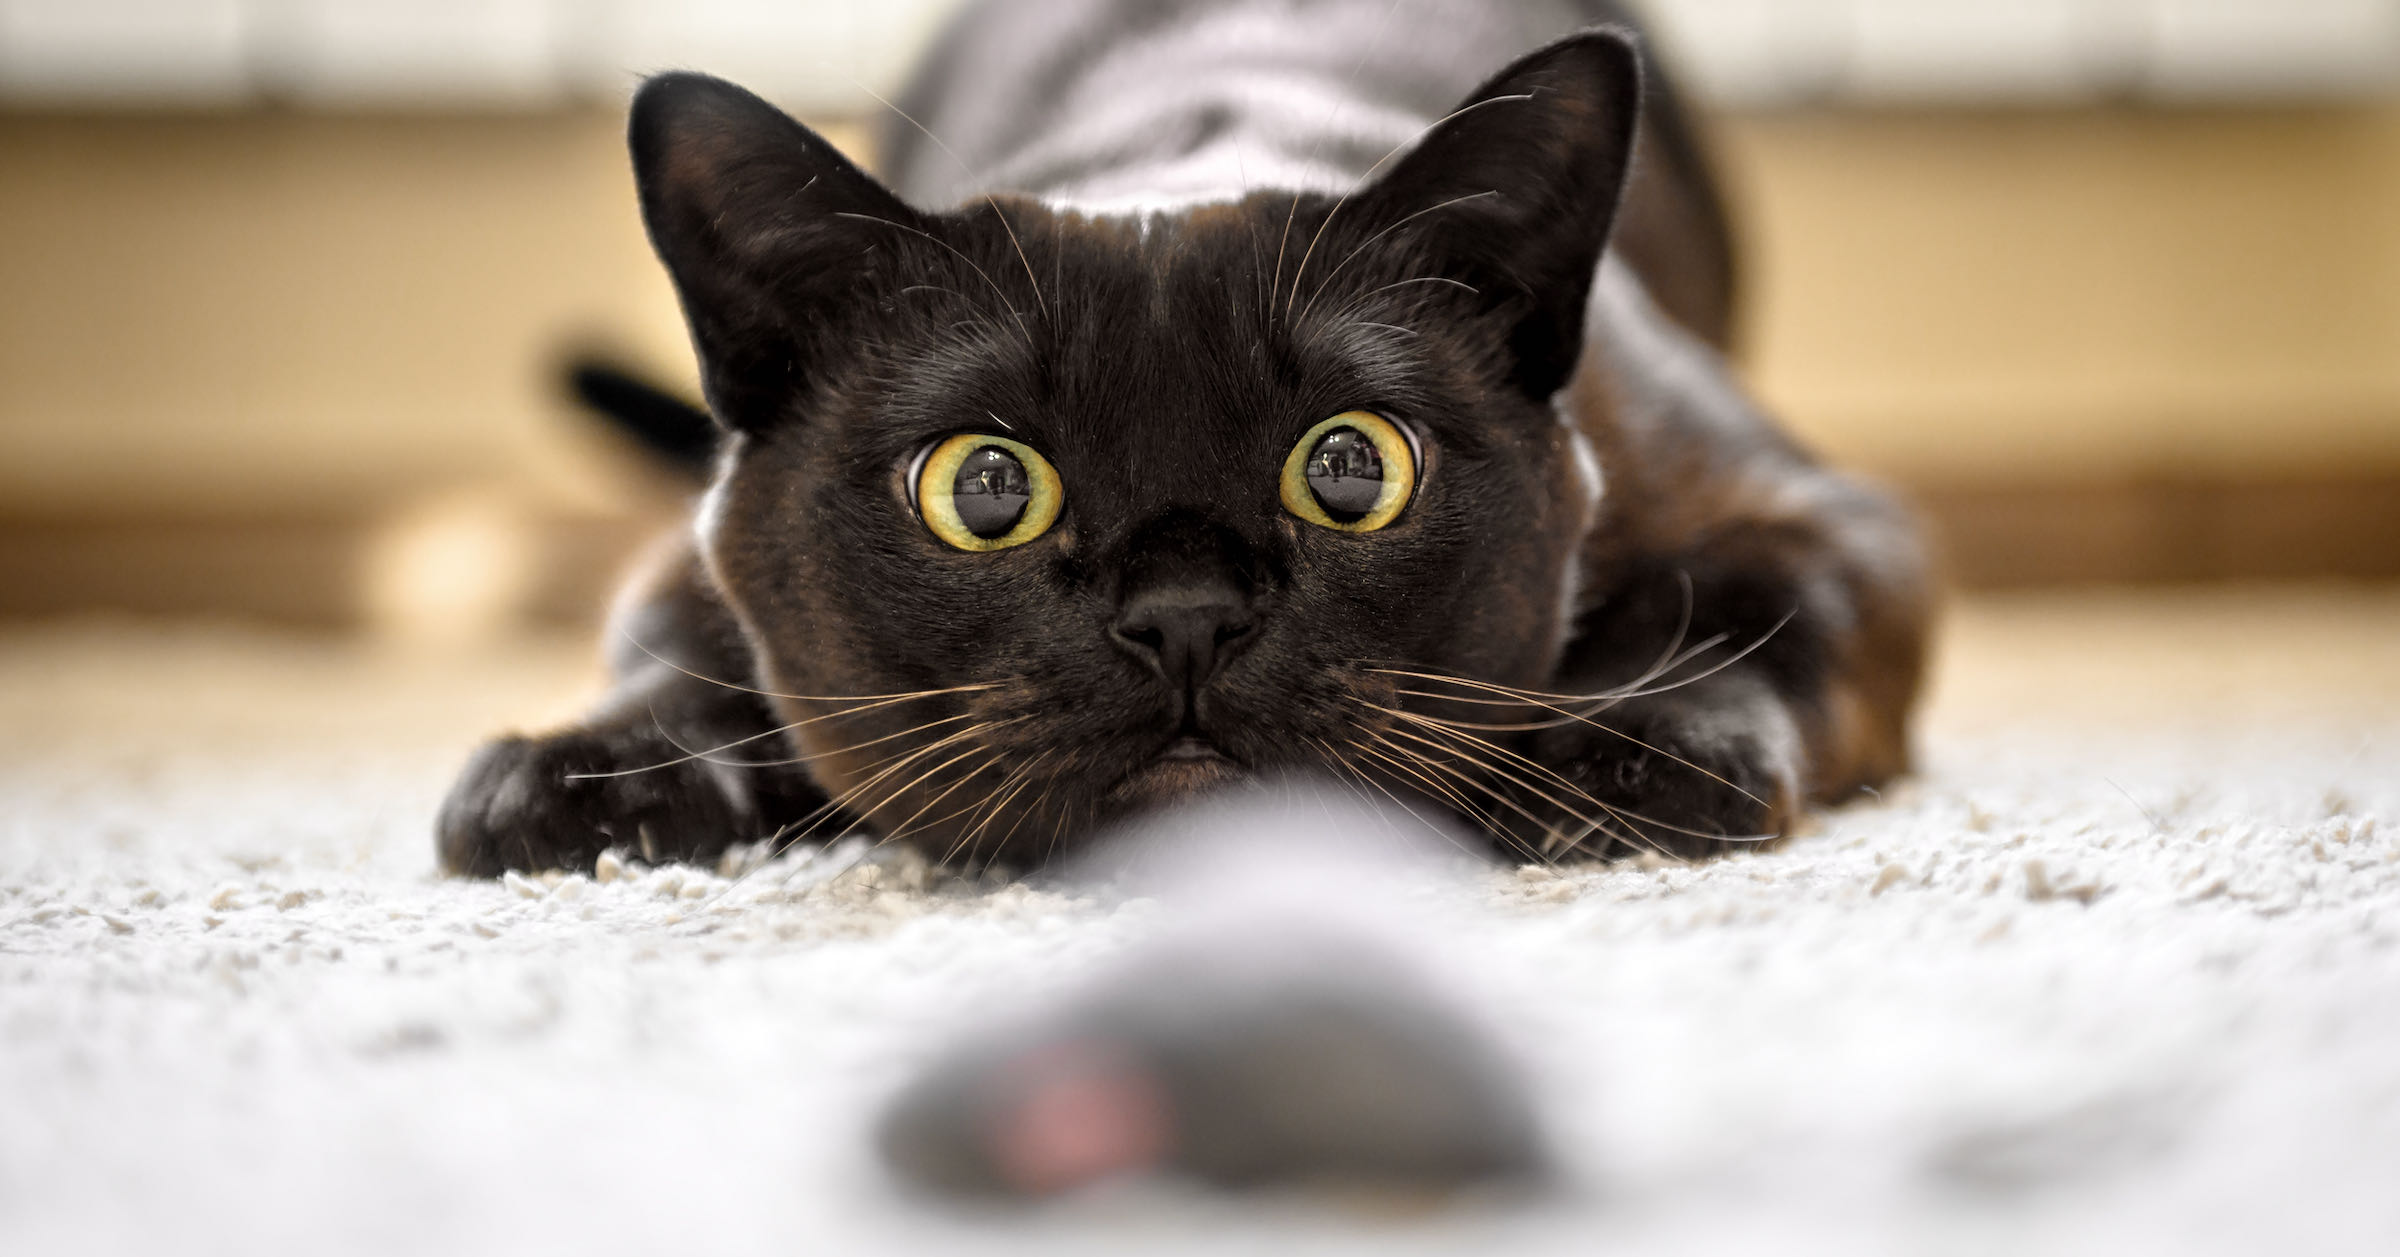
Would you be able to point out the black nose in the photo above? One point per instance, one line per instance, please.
(1186, 633)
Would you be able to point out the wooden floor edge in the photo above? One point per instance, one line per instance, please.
(2167, 530)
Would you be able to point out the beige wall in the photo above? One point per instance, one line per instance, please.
(2018, 297)
(286, 314)
(305, 313)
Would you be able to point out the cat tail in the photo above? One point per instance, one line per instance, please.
(675, 431)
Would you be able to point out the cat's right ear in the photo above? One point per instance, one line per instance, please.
(767, 231)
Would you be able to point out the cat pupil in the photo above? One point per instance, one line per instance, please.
(1345, 472)
(991, 492)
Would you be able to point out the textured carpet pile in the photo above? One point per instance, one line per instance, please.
(2119, 972)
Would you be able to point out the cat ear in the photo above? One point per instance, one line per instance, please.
(766, 230)
(1519, 187)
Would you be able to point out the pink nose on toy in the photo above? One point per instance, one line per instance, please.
(1082, 1112)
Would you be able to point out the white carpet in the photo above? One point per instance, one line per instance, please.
(2119, 973)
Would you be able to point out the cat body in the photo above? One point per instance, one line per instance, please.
(1272, 401)
(1204, 101)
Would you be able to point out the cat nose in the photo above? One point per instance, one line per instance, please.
(1187, 634)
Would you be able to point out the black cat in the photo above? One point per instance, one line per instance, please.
(1273, 402)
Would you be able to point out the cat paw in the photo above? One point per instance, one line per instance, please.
(534, 804)
(1684, 780)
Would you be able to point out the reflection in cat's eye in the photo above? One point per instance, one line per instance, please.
(982, 493)
(1354, 472)
(990, 492)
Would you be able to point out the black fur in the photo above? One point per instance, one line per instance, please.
(674, 430)
(829, 662)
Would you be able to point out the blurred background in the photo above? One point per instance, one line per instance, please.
(2112, 287)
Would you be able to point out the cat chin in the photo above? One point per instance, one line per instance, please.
(1174, 778)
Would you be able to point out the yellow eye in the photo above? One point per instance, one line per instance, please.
(1354, 472)
(983, 493)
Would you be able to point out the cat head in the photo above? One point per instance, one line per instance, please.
(1035, 519)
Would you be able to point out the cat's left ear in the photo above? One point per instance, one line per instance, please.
(769, 233)
(1520, 185)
